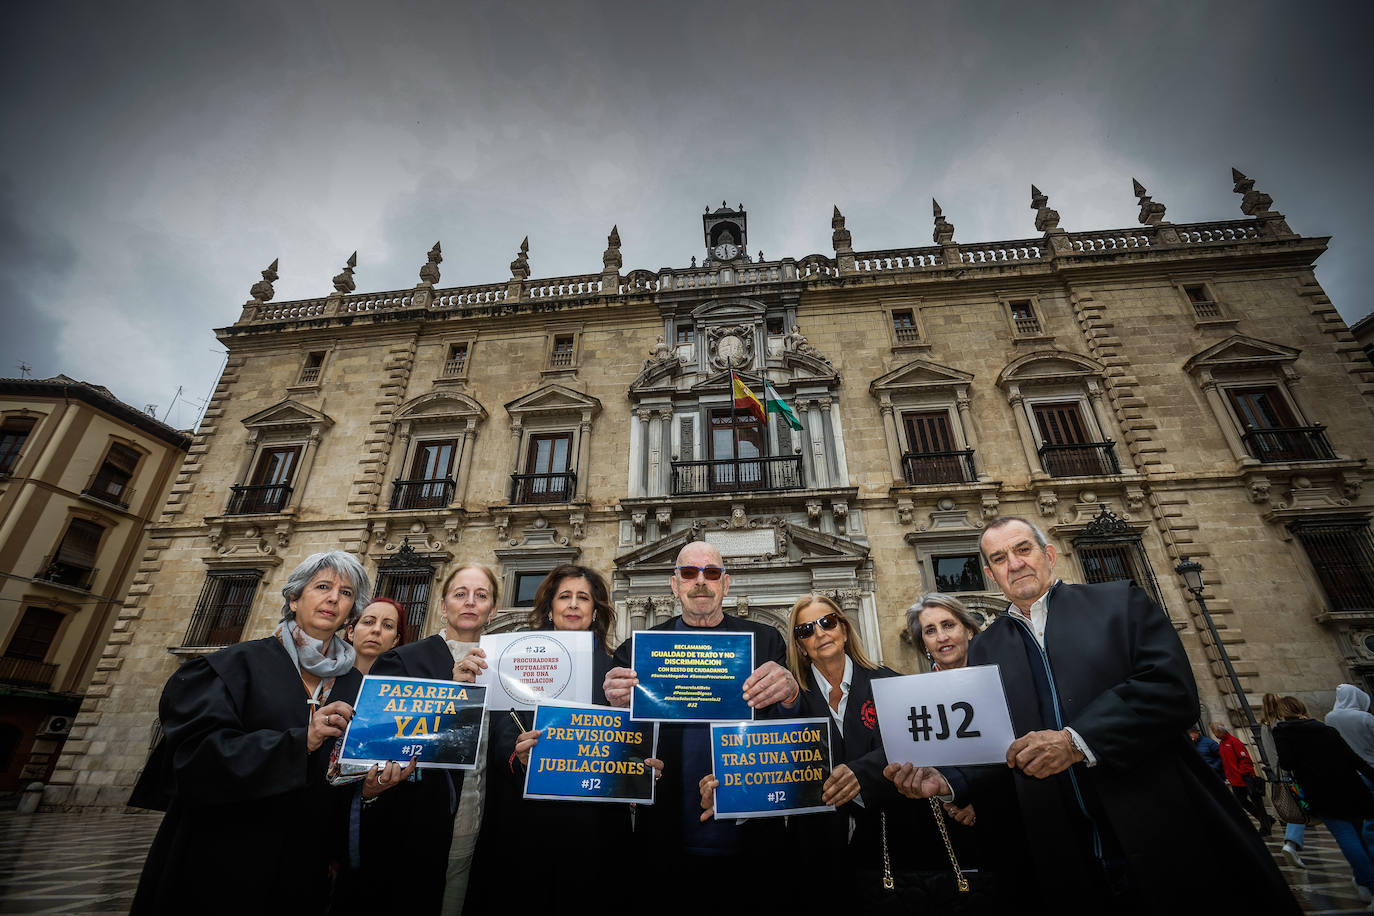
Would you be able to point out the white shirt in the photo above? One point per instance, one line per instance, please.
(846, 678)
(1039, 615)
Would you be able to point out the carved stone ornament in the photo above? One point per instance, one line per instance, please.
(1151, 212)
(1106, 524)
(1046, 502)
(813, 513)
(944, 229)
(262, 290)
(660, 355)
(906, 511)
(343, 282)
(520, 267)
(731, 347)
(429, 273)
(1045, 218)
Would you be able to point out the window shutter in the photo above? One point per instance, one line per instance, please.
(784, 434)
(687, 441)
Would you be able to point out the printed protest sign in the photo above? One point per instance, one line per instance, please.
(591, 753)
(944, 718)
(397, 718)
(765, 769)
(691, 677)
(526, 669)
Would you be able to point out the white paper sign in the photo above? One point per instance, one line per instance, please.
(944, 718)
(526, 669)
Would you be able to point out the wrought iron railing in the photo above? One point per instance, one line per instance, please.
(258, 499)
(939, 467)
(26, 672)
(422, 494)
(732, 475)
(65, 572)
(1296, 443)
(107, 488)
(542, 488)
(1081, 459)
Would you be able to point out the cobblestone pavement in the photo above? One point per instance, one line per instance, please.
(89, 863)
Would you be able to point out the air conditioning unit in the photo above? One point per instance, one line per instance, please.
(56, 727)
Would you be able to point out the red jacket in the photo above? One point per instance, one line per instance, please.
(1235, 760)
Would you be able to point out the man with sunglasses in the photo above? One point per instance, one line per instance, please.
(718, 854)
(1110, 794)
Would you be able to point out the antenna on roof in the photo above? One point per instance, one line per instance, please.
(24, 369)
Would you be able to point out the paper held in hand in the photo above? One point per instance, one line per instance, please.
(526, 669)
(944, 718)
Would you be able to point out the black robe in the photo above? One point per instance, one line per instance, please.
(1125, 685)
(1326, 768)
(252, 822)
(576, 839)
(411, 823)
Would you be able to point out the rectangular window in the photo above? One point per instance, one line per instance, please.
(961, 573)
(1342, 554)
(111, 482)
(410, 586)
(932, 455)
(1067, 448)
(1270, 430)
(13, 434)
(35, 634)
(1203, 305)
(904, 326)
(1114, 557)
(1023, 317)
(736, 436)
(430, 485)
(685, 333)
(1061, 424)
(1261, 408)
(222, 611)
(457, 360)
(269, 489)
(526, 584)
(561, 356)
(310, 370)
(74, 561)
(546, 478)
(773, 324)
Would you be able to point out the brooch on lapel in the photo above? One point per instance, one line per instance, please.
(868, 715)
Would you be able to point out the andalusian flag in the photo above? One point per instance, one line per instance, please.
(746, 399)
(773, 403)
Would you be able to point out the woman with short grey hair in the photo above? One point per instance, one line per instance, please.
(248, 732)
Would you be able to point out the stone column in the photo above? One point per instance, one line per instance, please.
(584, 444)
(817, 432)
(1106, 422)
(638, 434)
(1293, 382)
(312, 445)
(1223, 418)
(463, 473)
(664, 425)
(655, 435)
(970, 434)
(894, 442)
(1023, 429)
(517, 432)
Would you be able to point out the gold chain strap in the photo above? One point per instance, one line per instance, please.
(938, 811)
(887, 862)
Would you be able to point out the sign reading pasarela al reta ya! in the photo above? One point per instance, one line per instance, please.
(686, 676)
(591, 753)
(765, 769)
(399, 718)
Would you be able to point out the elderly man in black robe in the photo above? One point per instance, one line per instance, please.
(1119, 812)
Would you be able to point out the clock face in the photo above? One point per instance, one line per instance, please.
(725, 251)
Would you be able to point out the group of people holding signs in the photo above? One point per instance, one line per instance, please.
(707, 764)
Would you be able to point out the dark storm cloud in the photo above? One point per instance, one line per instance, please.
(168, 151)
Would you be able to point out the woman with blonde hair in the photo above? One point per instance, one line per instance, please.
(1293, 834)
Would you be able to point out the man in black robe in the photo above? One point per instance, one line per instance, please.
(677, 846)
(1120, 814)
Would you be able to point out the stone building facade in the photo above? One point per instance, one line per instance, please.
(1146, 394)
(81, 475)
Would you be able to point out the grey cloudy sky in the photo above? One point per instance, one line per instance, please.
(156, 156)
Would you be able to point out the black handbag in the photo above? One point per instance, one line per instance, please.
(923, 891)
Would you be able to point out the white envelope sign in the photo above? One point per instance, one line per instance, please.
(944, 718)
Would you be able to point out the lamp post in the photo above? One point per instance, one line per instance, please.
(1191, 571)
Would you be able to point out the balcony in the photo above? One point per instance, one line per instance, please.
(939, 467)
(109, 488)
(258, 500)
(1080, 459)
(737, 475)
(27, 672)
(907, 333)
(64, 572)
(1297, 443)
(1027, 326)
(453, 367)
(310, 375)
(422, 494)
(531, 489)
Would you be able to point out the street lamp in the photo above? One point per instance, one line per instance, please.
(1191, 571)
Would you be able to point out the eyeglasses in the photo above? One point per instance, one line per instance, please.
(828, 622)
(712, 573)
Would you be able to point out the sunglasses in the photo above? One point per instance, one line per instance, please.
(828, 622)
(712, 573)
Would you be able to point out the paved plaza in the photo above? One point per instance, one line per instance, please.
(89, 863)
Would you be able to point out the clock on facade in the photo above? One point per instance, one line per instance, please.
(725, 251)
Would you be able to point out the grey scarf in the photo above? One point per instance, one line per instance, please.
(310, 654)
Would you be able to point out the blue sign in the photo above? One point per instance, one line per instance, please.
(591, 753)
(691, 677)
(397, 718)
(765, 769)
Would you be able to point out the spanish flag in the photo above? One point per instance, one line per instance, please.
(746, 399)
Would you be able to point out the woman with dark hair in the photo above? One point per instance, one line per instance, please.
(248, 732)
(578, 834)
(420, 814)
(379, 628)
(1328, 773)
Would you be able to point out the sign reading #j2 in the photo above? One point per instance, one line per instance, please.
(765, 769)
(685, 676)
(397, 718)
(945, 718)
(591, 753)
